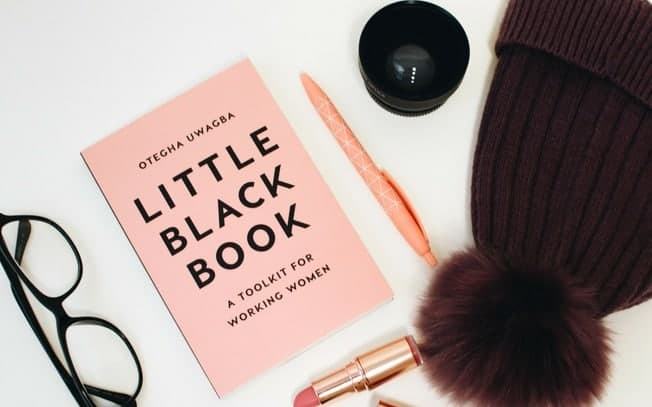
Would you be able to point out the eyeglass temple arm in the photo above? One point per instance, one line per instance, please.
(24, 230)
(124, 400)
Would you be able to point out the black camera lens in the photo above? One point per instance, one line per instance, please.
(413, 55)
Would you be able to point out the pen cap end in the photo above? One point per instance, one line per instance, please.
(430, 259)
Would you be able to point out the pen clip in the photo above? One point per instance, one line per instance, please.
(399, 191)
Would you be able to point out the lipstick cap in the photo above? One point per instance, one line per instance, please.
(369, 370)
(388, 361)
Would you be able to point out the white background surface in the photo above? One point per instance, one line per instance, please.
(72, 72)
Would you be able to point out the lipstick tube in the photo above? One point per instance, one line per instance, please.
(369, 371)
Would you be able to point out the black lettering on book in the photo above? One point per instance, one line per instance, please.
(288, 224)
(255, 309)
(264, 146)
(222, 258)
(143, 212)
(210, 163)
(260, 143)
(201, 273)
(183, 176)
(224, 210)
(239, 164)
(243, 197)
(195, 232)
(173, 240)
(231, 255)
(312, 277)
(166, 196)
(272, 186)
(261, 247)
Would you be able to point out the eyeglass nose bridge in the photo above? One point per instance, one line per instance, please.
(55, 304)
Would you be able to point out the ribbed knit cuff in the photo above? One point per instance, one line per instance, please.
(610, 38)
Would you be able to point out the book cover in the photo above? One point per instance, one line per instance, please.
(238, 231)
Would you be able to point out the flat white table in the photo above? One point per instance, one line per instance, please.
(73, 71)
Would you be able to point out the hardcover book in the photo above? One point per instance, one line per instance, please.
(239, 233)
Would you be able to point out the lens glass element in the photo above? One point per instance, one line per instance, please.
(411, 67)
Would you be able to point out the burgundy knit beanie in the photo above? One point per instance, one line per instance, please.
(560, 206)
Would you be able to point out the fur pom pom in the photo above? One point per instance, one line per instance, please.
(501, 335)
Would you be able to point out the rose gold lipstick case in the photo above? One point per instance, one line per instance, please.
(370, 370)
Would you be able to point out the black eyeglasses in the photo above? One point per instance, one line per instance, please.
(49, 285)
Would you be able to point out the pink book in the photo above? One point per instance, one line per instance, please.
(238, 231)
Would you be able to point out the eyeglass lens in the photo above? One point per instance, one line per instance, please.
(101, 358)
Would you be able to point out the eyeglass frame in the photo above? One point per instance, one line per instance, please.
(11, 265)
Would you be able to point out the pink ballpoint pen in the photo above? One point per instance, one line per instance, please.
(385, 189)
